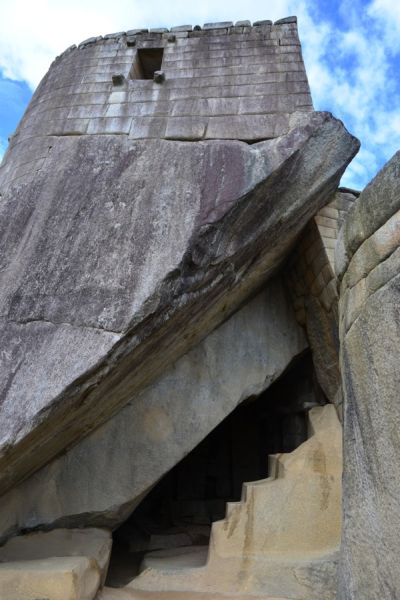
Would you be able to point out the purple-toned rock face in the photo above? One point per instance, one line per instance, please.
(120, 255)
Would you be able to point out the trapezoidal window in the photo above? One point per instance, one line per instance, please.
(148, 60)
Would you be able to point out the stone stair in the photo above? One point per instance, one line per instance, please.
(280, 541)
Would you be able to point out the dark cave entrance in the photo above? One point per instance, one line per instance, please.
(179, 511)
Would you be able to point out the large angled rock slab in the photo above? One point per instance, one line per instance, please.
(101, 479)
(370, 347)
(149, 243)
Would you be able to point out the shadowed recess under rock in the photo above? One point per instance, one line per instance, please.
(180, 509)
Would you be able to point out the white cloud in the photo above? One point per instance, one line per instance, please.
(352, 73)
(33, 33)
(387, 14)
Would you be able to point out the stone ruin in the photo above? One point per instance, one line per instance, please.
(192, 313)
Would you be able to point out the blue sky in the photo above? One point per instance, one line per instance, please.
(351, 49)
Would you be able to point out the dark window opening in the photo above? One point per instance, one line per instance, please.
(147, 62)
(179, 511)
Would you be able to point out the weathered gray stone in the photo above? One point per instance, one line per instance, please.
(370, 346)
(178, 28)
(89, 41)
(323, 336)
(159, 30)
(220, 25)
(371, 479)
(111, 125)
(159, 76)
(129, 453)
(243, 24)
(136, 31)
(118, 79)
(286, 20)
(260, 23)
(367, 216)
(144, 127)
(185, 128)
(131, 41)
(207, 243)
(113, 36)
(254, 127)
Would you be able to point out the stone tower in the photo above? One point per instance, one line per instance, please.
(172, 315)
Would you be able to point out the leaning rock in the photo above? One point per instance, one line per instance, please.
(369, 261)
(114, 274)
(127, 455)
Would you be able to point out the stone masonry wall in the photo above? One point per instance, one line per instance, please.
(221, 82)
(313, 284)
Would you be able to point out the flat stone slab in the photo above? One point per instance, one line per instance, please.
(220, 25)
(72, 578)
(182, 28)
(94, 544)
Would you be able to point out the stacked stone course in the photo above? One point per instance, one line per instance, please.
(221, 82)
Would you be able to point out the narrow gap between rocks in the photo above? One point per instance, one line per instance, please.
(177, 515)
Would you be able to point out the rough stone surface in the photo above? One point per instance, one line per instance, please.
(128, 454)
(182, 28)
(95, 544)
(370, 346)
(368, 214)
(286, 20)
(201, 246)
(220, 25)
(281, 540)
(314, 289)
(73, 578)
